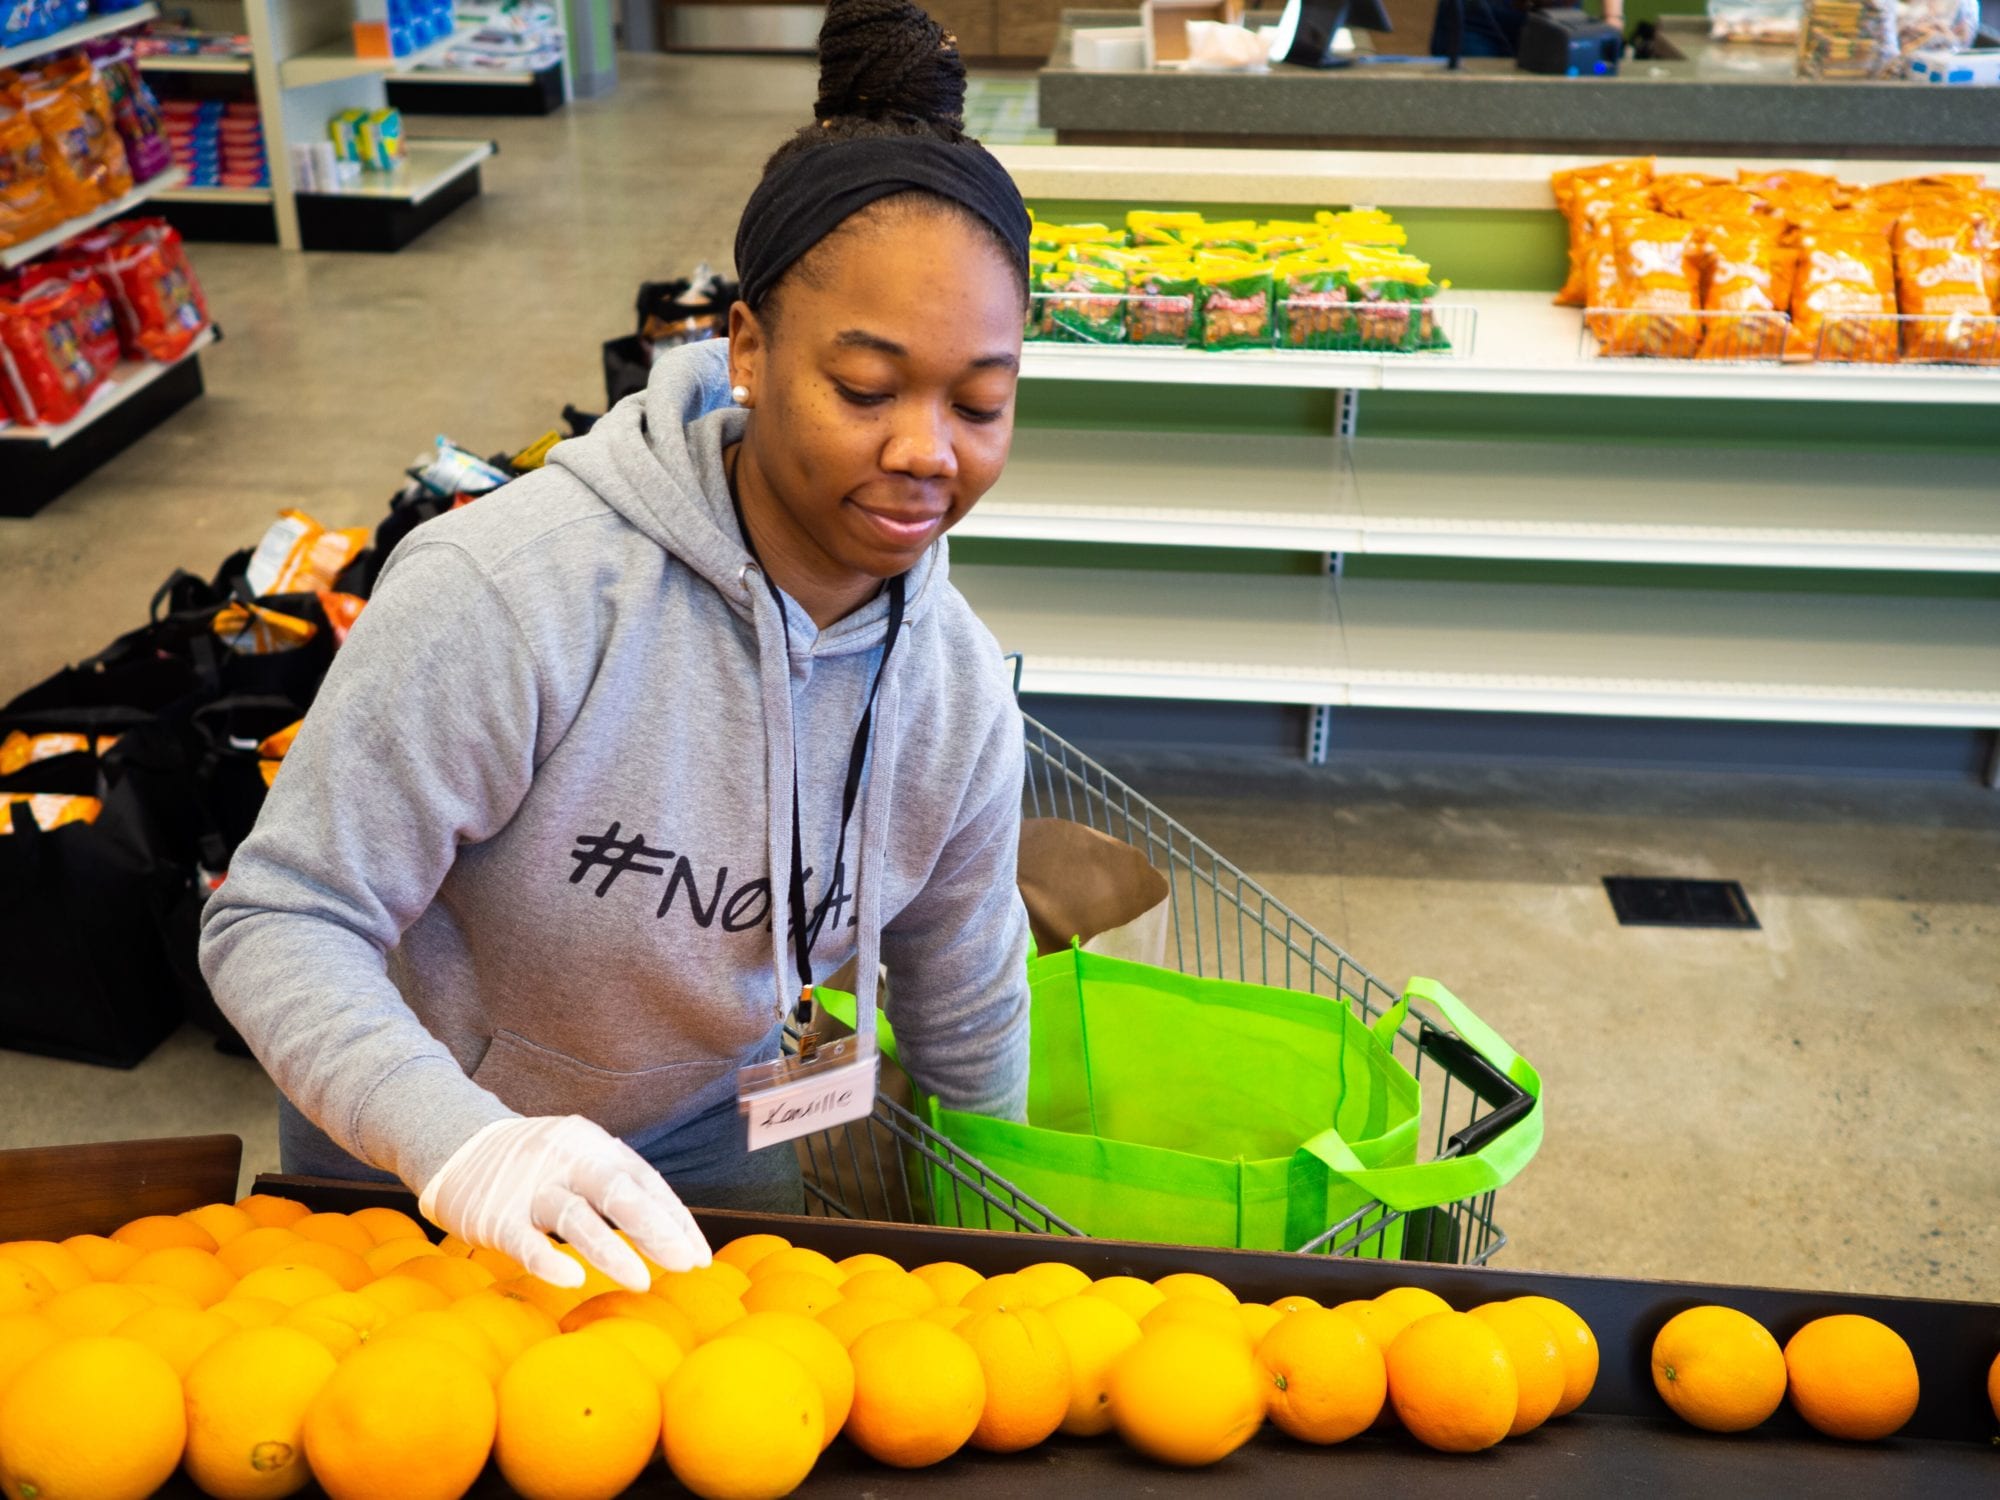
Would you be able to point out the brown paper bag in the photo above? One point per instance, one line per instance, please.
(1077, 882)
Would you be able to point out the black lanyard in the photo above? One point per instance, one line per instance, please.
(804, 930)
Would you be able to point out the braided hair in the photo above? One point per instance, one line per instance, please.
(886, 68)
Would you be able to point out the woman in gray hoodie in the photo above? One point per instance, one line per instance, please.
(529, 891)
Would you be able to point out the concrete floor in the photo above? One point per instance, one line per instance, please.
(1809, 1105)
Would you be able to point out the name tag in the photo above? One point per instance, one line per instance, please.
(789, 1098)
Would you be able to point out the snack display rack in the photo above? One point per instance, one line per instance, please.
(160, 187)
(85, 31)
(1086, 469)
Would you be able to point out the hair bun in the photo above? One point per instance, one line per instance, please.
(886, 60)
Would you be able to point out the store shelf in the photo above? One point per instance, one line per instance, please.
(428, 167)
(27, 250)
(129, 380)
(336, 61)
(249, 195)
(1669, 653)
(1523, 346)
(96, 26)
(1552, 501)
(169, 63)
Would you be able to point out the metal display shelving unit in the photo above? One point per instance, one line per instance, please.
(1641, 645)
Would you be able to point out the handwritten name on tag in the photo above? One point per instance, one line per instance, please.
(812, 1098)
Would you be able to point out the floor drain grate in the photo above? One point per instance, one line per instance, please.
(1643, 902)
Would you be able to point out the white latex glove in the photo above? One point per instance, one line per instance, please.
(568, 1176)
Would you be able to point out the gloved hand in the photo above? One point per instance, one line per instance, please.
(565, 1175)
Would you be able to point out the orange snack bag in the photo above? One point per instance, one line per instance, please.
(1656, 259)
(253, 630)
(28, 204)
(1739, 275)
(1844, 298)
(342, 610)
(299, 556)
(79, 76)
(1941, 281)
(21, 749)
(50, 810)
(78, 171)
(1578, 186)
(1672, 190)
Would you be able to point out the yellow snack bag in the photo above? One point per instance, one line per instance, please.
(253, 630)
(299, 556)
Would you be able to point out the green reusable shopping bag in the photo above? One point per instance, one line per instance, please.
(1165, 1107)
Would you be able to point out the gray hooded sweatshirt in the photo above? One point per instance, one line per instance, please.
(520, 858)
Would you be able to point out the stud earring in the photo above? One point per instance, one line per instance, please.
(740, 394)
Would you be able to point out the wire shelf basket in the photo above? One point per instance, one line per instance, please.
(1222, 925)
(1770, 339)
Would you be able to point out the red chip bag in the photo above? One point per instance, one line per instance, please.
(97, 319)
(160, 306)
(44, 372)
(28, 204)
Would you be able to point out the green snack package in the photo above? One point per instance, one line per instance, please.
(1162, 309)
(1314, 306)
(1235, 303)
(1086, 304)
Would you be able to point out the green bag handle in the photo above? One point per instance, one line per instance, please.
(1491, 1165)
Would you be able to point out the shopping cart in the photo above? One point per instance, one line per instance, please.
(1222, 925)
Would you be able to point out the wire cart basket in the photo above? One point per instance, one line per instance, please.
(1221, 925)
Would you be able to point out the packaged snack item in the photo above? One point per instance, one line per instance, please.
(1844, 298)
(254, 630)
(136, 113)
(1577, 187)
(1085, 303)
(1941, 289)
(341, 610)
(275, 746)
(1673, 190)
(1935, 25)
(299, 556)
(1162, 309)
(50, 810)
(452, 472)
(45, 374)
(1739, 278)
(1313, 309)
(379, 139)
(1149, 227)
(159, 302)
(21, 749)
(1233, 235)
(79, 77)
(1391, 292)
(1793, 191)
(1849, 39)
(1235, 302)
(28, 205)
(1657, 292)
(1361, 226)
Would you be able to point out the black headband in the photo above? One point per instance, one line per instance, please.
(810, 194)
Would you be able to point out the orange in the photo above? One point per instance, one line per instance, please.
(1130, 1295)
(745, 1251)
(225, 1221)
(1186, 1395)
(648, 1345)
(1027, 1378)
(342, 1264)
(455, 1247)
(578, 1419)
(105, 1259)
(1539, 1371)
(1094, 1333)
(823, 1356)
(91, 1419)
(1008, 1291)
(158, 1231)
(1411, 1303)
(161, 1296)
(275, 1212)
(1578, 1345)
(442, 1326)
(791, 1292)
(94, 1309)
(557, 1301)
(1194, 1284)
(1851, 1377)
(918, 1393)
(1718, 1369)
(890, 1285)
(399, 1295)
(179, 1335)
(851, 1317)
(455, 1278)
(594, 1280)
(23, 1288)
(502, 1266)
(1257, 1320)
(1297, 1302)
(247, 1399)
(951, 1317)
(1202, 1312)
(1383, 1321)
(642, 1305)
(720, 1272)
(382, 1225)
(249, 1312)
(1452, 1384)
(61, 1268)
(512, 1324)
(949, 1280)
(1327, 1380)
(23, 1336)
(796, 1258)
(1064, 1278)
(186, 1269)
(707, 1305)
(404, 1417)
(744, 1421)
(289, 1284)
(867, 1260)
(259, 1247)
(387, 1256)
(342, 1321)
